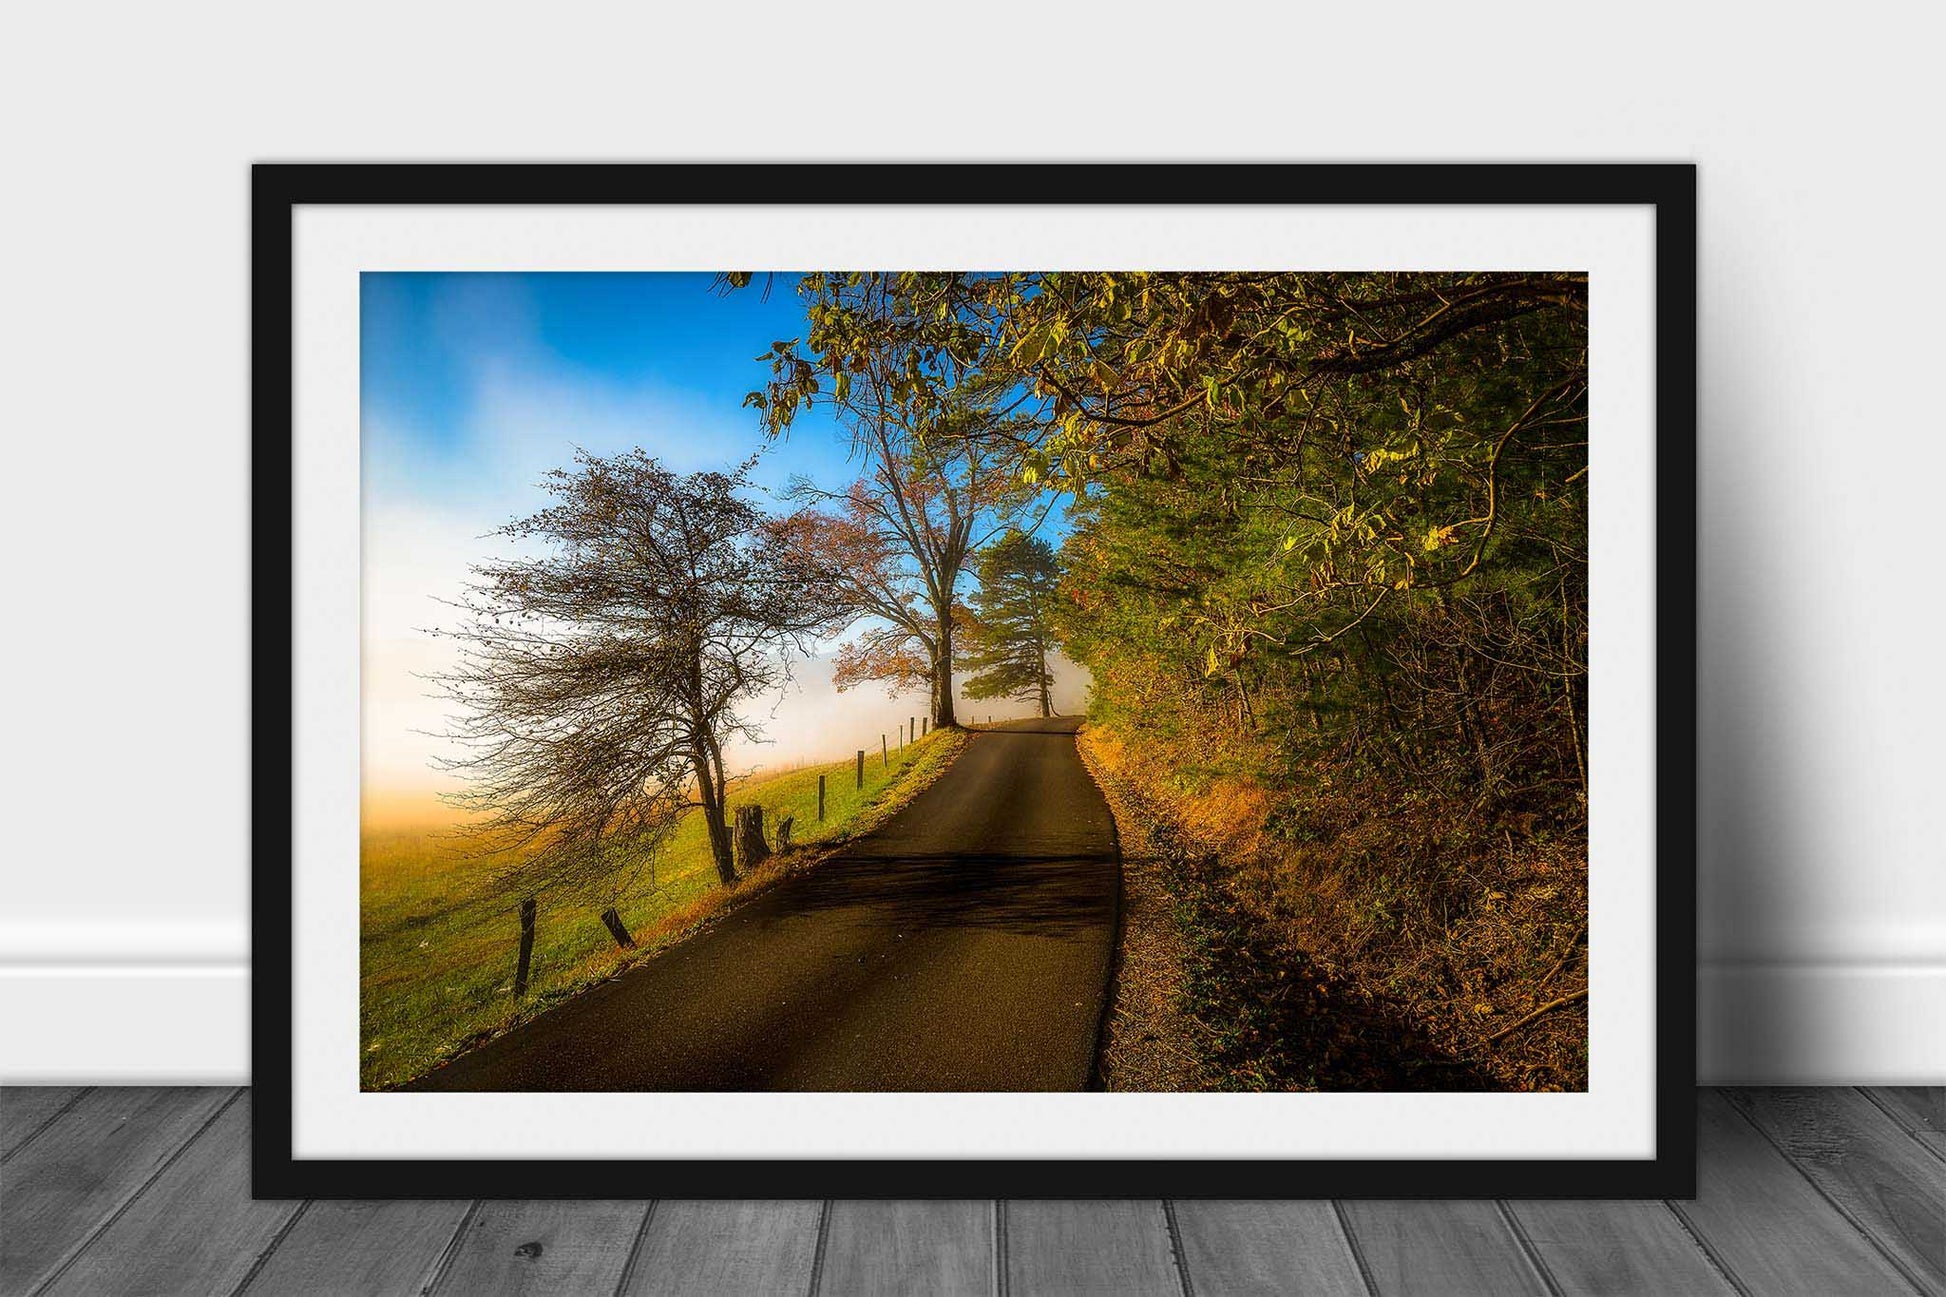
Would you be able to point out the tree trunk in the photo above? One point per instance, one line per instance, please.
(1246, 714)
(1472, 725)
(1040, 655)
(751, 849)
(719, 832)
(942, 678)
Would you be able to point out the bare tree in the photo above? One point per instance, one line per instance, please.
(601, 671)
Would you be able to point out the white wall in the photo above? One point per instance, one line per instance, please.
(123, 938)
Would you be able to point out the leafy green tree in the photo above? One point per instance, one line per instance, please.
(1011, 630)
(1330, 544)
(1361, 453)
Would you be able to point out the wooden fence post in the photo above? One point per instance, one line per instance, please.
(912, 730)
(861, 767)
(526, 947)
(884, 752)
(820, 799)
(925, 726)
(617, 929)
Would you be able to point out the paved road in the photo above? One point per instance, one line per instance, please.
(963, 946)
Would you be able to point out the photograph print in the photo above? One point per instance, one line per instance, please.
(974, 682)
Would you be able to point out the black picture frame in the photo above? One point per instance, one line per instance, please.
(277, 189)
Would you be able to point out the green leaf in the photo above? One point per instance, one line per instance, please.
(1032, 347)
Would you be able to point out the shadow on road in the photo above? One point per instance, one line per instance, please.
(1051, 895)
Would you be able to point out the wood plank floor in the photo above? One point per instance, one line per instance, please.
(1825, 1193)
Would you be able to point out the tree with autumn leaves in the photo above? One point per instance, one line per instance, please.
(1329, 542)
(940, 479)
(896, 543)
(1316, 486)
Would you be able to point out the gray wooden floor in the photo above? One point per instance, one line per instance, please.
(121, 1191)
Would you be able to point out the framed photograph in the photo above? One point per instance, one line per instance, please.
(950, 681)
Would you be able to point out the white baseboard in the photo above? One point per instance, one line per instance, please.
(155, 1024)
(1821, 1024)
(184, 1023)
(123, 942)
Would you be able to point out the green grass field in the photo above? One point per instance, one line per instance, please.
(438, 937)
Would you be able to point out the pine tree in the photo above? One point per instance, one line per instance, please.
(1009, 634)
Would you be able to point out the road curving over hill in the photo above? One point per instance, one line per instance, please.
(965, 945)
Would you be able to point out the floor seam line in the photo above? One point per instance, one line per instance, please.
(1932, 1150)
(1176, 1253)
(52, 1117)
(121, 1209)
(270, 1248)
(450, 1253)
(630, 1261)
(1527, 1250)
(1722, 1263)
(1869, 1238)
(817, 1257)
(1357, 1252)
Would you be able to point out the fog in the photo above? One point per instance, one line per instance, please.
(807, 721)
(810, 721)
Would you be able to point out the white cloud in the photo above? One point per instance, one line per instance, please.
(430, 505)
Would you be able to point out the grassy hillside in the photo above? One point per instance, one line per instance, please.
(438, 938)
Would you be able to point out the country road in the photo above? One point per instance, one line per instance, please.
(966, 945)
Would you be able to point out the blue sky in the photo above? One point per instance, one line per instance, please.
(473, 384)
